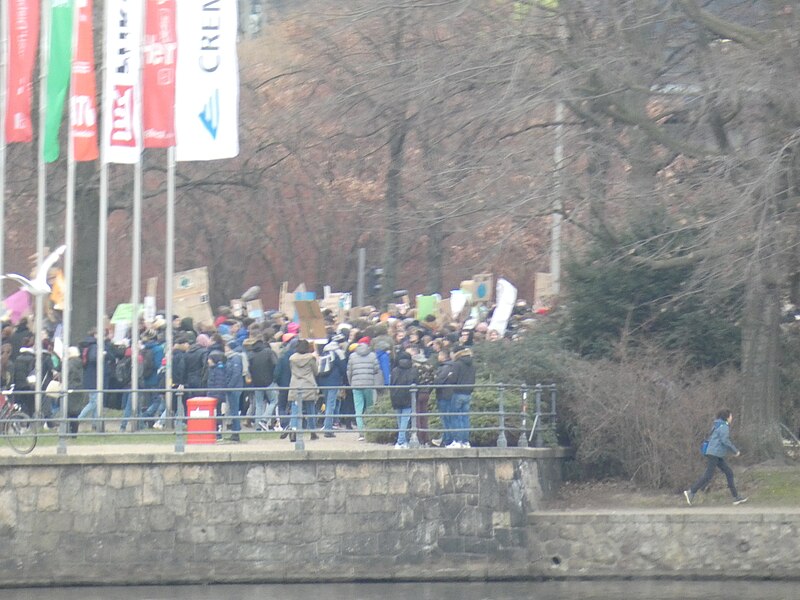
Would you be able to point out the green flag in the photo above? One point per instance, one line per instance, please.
(59, 66)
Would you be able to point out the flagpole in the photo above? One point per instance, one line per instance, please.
(41, 193)
(69, 233)
(170, 274)
(102, 248)
(3, 110)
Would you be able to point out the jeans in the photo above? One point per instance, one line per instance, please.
(127, 411)
(309, 412)
(445, 405)
(331, 405)
(360, 400)
(233, 410)
(91, 407)
(712, 464)
(265, 401)
(403, 419)
(461, 419)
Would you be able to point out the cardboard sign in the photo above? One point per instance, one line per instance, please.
(237, 308)
(190, 295)
(282, 294)
(483, 287)
(312, 325)
(427, 305)
(468, 287)
(542, 289)
(255, 310)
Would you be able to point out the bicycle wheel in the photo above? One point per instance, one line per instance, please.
(21, 433)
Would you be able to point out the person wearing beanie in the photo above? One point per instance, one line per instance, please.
(362, 369)
(293, 328)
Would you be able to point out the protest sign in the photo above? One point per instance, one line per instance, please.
(255, 310)
(190, 295)
(312, 324)
(483, 287)
(427, 305)
(506, 298)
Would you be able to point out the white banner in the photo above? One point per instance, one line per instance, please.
(122, 93)
(506, 299)
(207, 81)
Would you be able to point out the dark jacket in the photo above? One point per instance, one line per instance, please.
(217, 374)
(262, 362)
(445, 375)
(283, 372)
(464, 371)
(24, 365)
(336, 376)
(178, 367)
(402, 374)
(195, 365)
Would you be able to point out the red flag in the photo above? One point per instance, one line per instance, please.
(23, 19)
(158, 78)
(82, 107)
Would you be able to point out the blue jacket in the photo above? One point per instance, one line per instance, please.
(337, 373)
(385, 362)
(719, 443)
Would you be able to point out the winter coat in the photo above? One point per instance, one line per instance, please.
(336, 376)
(178, 367)
(157, 350)
(385, 362)
(445, 375)
(362, 366)
(217, 375)
(283, 373)
(262, 364)
(195, 366)
(24, 365)
(403, 374)
(304, 375)
(464, 371)
(234, 371)
(719, 443)
(426, 372)
(77, 401)
(88, 346)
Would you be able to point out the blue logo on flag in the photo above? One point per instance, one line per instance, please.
(210, 115)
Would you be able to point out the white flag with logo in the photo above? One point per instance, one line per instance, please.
(207, 81)
(122, 92)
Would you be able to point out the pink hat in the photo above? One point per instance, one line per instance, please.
(203, 340)
(293, 328)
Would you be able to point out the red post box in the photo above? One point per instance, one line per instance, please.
(201, 425)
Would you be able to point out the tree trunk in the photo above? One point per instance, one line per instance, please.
(435, 254)
(760, 402)
(397, 140)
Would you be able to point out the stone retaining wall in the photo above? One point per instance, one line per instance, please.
(685, 542)
(249, 517)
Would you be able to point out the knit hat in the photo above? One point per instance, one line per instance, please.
(293, 328)
(365, 340)
(352, 347)
(203, 340)
(419, 358)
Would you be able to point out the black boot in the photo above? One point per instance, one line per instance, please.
(314, 436)
(292, 437)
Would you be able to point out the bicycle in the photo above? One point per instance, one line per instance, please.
(16, 427)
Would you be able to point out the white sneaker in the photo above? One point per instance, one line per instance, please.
(466, 445)
(401, 446)
(361, 438)
(158, 426)
(436, 442)
(454, 444)
(278, 426)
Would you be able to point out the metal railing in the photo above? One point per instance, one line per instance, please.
(509, 413)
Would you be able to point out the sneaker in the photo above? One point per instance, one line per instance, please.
(329, 434)
(158, 426)
(739, 500)
(278, 426)
(466, 445)
(436, 442)
(262, 425)
(689, 497)
(401, 446)
(234, 438)
(361, 438)
(454, 444)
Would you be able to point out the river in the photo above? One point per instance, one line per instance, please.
(517, 590)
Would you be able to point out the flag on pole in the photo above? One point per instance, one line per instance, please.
(58, 73)
(122, 114)
(23, 20)
(158, 74)
(83, 111)
(207, 84)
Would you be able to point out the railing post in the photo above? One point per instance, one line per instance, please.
(413, 441)
(538, 396)
(180, 424)
(63, 426)
(502, 442)
(522, 442)
(299, 444)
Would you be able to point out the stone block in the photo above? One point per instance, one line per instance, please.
(44, 476)
(47, 499)
(353, 470)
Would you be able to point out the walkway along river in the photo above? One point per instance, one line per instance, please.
(347, 511)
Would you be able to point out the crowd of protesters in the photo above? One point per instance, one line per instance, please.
(265, 376)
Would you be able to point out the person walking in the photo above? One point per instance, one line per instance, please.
(303, 389)
(719, 446)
